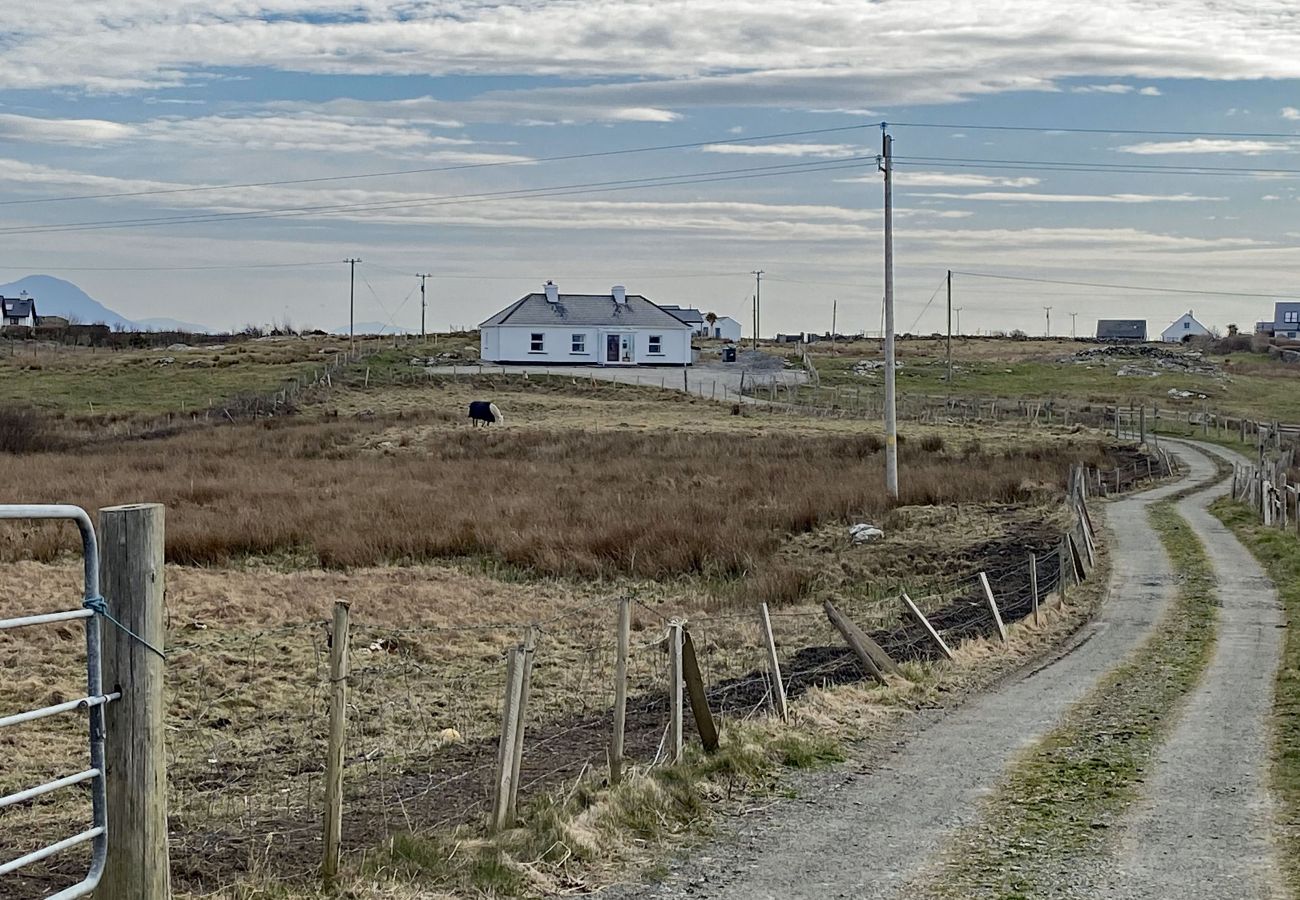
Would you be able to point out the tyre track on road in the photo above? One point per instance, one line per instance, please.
(1203, 828)
(869, 836)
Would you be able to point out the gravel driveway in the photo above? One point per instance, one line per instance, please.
(1202, 828)
(869, 834)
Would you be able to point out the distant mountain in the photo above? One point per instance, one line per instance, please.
(56, 297)
(162, 323)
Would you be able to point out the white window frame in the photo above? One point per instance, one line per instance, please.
(1291, 316)
(655, 341)
(536, 342)
(578, 344)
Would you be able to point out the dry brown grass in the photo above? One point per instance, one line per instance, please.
(608, 503)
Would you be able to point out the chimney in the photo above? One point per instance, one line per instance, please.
(620, 294)
(552, 292)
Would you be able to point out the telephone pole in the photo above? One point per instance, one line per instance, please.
(352, 299)
(1048, 309)
(835, 304)
(886, 165)
(758, 301)
(1072, 318)
(950, 326)
(423, 275)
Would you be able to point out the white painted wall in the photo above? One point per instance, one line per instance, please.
(1185, 326)
(514, 343)
(726, 328)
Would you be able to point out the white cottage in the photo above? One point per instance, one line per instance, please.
(1184, 327)
(19, 312)
(614, 329)
(725, 328)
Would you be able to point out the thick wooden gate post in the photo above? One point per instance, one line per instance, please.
(131, 579)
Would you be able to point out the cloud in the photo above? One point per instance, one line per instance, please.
(1270, 197)
(909, 179)
(1103, 89)
(1150, 91)
(1291, 113)
(1025, 197)
(1209, 145)
(87, 132)
(656, 56)
(827, 151)
(644, 114)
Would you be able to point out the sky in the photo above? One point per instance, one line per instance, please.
(1151, 143)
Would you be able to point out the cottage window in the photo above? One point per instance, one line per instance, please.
(656, 345)
(1187, 325)
(536, 342)
(1291, 316)
(579, 342)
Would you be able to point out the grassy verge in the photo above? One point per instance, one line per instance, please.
(1279, 553)
(1058, 802)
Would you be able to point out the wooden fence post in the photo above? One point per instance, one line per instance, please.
(694, 683)
(528, 651)
(675, 744)
(773, 664)
(993, 607)
(1033, 584)
(929, 629)
(873, 658)
(333, 837)
(505, 750)
(620, 690)
(131, 580)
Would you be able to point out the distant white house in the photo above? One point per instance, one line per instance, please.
(18, 312)
(614, 329)
(726, 328)
(1184, 327)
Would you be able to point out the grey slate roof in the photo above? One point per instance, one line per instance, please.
(585, 309)
(1122, 329)
(688, 314)
(20, 308)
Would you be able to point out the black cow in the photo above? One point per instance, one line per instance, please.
(486, 412)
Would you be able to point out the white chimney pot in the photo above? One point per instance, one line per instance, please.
(552, 292)
(620, 294)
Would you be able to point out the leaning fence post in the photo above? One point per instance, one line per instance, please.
(929, 629)
(694, 683)
(993, 606)
(135, 770)
(505, 750)
(1033, 584)
(528, 651)
(675, 744)
(620, 690)
(773, 664)
(334, 753)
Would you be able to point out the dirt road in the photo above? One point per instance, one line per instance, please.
(1202, 827)
(867, 835)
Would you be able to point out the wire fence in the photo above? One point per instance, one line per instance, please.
(248, 711)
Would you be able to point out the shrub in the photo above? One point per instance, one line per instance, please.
(932, 443)
(24, 430)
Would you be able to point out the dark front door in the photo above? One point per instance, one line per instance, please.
(611, 348)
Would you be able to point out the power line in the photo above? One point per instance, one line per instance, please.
(716, 175)
(1126, 287)
(567, 157)
(1128, 168)
(1074, 130)
(220, 268)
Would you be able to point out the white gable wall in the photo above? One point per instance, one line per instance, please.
(514, 344)
(1185, 326)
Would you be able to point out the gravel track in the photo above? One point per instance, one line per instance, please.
(1202, 829)
(869, 834)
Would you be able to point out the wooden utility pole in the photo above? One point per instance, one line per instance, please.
(352, 300)
(424, 335)
(135, 754)
(338, 730)
(950, 326)
(891, 421)
(834, 312)
(758, 303)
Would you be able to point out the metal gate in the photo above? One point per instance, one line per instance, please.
(93, 702)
